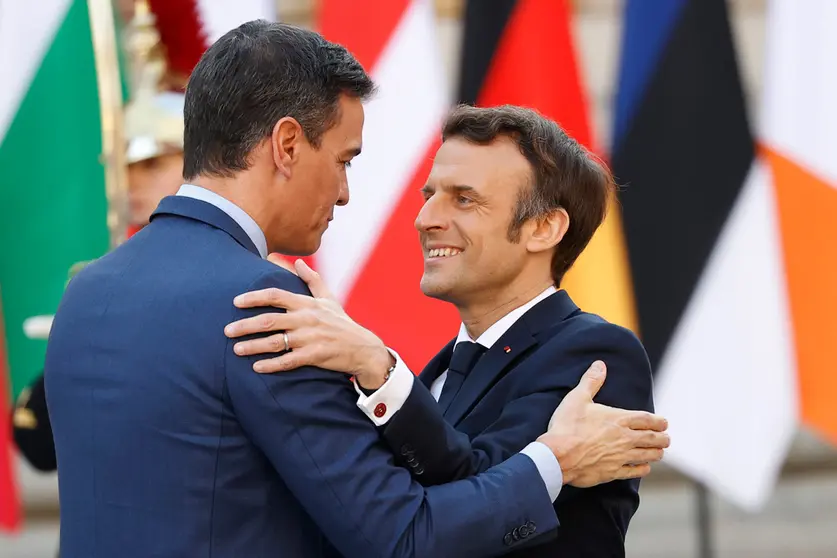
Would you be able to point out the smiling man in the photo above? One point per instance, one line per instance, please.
(510, 203)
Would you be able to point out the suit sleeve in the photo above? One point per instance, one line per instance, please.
(439, 453)
(334, 461)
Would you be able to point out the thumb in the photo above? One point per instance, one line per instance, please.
(313, 279)
(592, 380)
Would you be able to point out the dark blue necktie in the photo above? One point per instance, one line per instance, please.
(465, 357)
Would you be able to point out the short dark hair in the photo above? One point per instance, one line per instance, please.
(564, 173)
(252, 77)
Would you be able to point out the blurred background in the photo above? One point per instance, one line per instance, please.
(717, 118)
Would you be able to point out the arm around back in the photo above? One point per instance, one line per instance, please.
(428, 445)
(332, 458)
(440, 453)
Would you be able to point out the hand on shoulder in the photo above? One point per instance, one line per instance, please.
(311, 331)
(595, 444)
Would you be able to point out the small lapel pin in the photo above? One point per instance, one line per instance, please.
(507, 349)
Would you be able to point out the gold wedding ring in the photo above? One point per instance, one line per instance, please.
(287, 343)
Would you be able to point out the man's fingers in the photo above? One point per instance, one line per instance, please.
(651, 440)
(269, 321)
(633, 471)
(285, 362)
(641, 420)
(313, 279)
(592, 380)
(643, 455)
(278, 298)
(275, 343)
(265, 345)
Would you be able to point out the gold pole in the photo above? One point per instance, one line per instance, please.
(103, 31)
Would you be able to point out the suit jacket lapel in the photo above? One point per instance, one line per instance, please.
(507, 351)
(489, 367)
(205, 212)
(437, 364)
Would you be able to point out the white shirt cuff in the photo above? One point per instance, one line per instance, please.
(390, 397)
(548, 467)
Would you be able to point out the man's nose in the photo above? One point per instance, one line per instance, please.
(343, 198)
(432, 216)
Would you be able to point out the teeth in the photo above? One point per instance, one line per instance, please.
(443, 252)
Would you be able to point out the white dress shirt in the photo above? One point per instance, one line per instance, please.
(397, 388)
(236, 213)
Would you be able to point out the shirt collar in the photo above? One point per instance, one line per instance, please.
(236, 213)
(501, 326)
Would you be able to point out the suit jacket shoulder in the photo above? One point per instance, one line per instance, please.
(569, 348)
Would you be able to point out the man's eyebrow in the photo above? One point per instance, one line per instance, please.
(458, 188)
(470, 191)
(352, 152)
(461, 189)
(454, 189)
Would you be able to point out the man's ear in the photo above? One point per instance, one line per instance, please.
(549, 231)
(285, 141)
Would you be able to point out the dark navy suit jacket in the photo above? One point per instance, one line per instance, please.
(169, 445)
(507, 401)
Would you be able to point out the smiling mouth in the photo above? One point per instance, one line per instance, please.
(443, 252)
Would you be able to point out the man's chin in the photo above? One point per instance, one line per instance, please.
(298, 249)
(434, 289)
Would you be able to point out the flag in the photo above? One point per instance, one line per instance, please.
(522, 52)
(9, 498)
(798, 142)
(52, 187)
(704, 248)
(371, 257)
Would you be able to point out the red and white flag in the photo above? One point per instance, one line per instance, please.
(370, 256)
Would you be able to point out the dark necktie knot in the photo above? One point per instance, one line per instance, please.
(465, 357)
